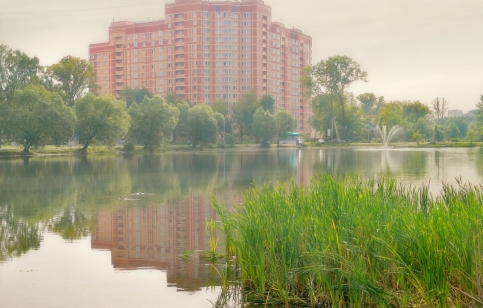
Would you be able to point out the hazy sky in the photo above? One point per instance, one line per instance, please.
(411, 49)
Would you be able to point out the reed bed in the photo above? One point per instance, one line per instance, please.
(357, 243)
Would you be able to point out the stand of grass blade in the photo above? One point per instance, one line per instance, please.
(353, 243)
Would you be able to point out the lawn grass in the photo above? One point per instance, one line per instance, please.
(356, 243)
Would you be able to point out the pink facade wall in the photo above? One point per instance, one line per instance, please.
(208, 51)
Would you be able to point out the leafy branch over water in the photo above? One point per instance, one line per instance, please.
(355, 243)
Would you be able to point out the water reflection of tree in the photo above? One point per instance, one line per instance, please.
(478, 157)
(74, 223)
(17, 236)
(370, 162)
(37, 187)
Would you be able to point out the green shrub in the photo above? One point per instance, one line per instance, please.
(230, 139)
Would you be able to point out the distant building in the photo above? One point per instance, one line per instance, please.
(471, 114)
(208, 51)
(455, 113)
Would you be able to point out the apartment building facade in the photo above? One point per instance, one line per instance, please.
(208, 51)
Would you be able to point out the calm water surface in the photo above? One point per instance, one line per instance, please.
(107, 231)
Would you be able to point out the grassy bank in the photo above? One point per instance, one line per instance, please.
(352, 243)
(15, 151)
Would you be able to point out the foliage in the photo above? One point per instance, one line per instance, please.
(264, 126)
(462, 125)
(390, 114)
(284, 123)
(333, 76)
(36, 115)
(344, 243)
(17, 70)
(479, 112)
(153, 122)
(471, 136)
(267, 102)
(101, 118)
(438, 133)
(220, 123)
(221, 107)
(230, 139)
(452, 131)
(411, 116)
(322, 111)
(202, 126)
(71, 77)
(243, 112)
(413, 111)
(131, 96)
(370, 103)
(183, 106)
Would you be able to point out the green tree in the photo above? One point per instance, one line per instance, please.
(264, 126)
(202, 125)
(267, 102)
(284, 123)
(71, 77)
(153, 122)
(183, 106)
(462, 125)
(370, 102)
(479, 112)
(354, 124)
(414, 111)
(332, 76)
(17, 70)
(390, 114)
(101, 118)
(36, 115)
(452, 131)
(131, 96)
(220, 123)
(221, 107)
(243, 112)
(322, 112)
(471, 136)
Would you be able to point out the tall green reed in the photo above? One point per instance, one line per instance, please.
(355, 243)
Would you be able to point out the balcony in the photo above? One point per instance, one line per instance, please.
(119, 63)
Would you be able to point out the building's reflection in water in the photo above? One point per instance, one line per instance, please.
(151, 236)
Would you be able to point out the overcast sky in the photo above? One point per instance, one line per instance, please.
(411, 49)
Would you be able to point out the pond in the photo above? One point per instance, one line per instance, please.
(116, 230)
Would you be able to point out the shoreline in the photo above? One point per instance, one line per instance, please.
(11, 152)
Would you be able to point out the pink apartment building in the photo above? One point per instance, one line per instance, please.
(208, 51)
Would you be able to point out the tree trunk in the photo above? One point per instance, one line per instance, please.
(343, 126)
(26, 148)
(84, 148)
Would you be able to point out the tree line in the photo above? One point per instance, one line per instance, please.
(326, 86)
(47, 105)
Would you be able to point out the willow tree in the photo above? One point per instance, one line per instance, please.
(35, 115)
(153, 122)
(101, 118)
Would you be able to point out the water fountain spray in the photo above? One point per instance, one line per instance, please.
(386, 138)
